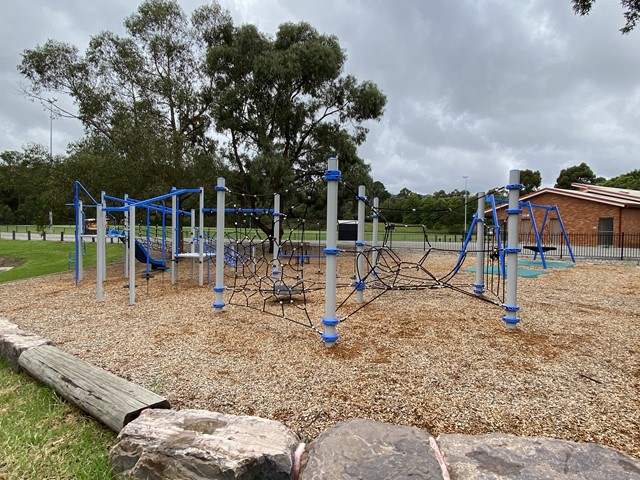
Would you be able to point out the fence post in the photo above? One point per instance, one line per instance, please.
(621, 245)
(28, 234)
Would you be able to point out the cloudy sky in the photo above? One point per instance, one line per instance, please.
(474, 87)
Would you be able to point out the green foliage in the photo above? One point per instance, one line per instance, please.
(42, 258)
(285, 108)
(530, 180)
(439, 211)
(577, 174)
(28, 189)
(380, 191)
(156, 101)
(144, 97)
(630, 180)
(43, 437)
(631, 11)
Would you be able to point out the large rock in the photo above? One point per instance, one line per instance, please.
(197, 444)
(365, 449)
(14, 341)
(505, 457)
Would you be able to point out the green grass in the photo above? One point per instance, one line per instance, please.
(401, 233)
(41, 436)
(42, 258)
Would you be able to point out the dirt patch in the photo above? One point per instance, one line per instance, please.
(10, 261)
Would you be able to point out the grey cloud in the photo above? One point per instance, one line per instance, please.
(474, 87)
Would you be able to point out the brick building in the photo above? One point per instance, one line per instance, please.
(590, 212)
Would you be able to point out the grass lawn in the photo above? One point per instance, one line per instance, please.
(35, 258)
(41, 436)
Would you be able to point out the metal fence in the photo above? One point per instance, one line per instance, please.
(606, 246)
(618, 246)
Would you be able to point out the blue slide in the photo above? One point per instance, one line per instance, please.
(141, 256)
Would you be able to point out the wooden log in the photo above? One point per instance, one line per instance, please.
(111, 399)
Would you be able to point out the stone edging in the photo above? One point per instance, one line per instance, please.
(198, 444)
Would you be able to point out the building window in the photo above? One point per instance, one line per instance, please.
(527, 232)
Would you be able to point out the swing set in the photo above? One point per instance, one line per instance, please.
(538, 233)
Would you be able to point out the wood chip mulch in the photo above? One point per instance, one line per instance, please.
(434, 359)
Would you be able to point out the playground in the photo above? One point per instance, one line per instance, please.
(432, 358)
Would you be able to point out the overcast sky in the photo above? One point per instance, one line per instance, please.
(474, 87)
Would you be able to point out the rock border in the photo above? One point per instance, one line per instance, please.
(198, 444)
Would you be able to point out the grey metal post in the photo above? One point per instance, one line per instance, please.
(132, 254)
(218, 304)
(100, 248)
(511, 318)
(275, 271)
(126, 244)
(103, 257)
(374, 235)
(332, 177)
(192, 232)
(79, 239)
(360, 244)
(174, 237)
(480, 219)
(201, 239)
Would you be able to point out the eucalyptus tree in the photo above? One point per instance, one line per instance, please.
(576, 174)
(283, 106)
(178, 93)
(631, 11)
(146, 93)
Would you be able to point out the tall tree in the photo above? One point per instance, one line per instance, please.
(29, 187)
(284, 107)
(380, 191)
(577, 174)
(159, 99)
(630, 180)
(631, 11)
(530, 180)
(147, 92)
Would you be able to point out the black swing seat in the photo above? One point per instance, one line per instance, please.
(283, 290)
(535, 248)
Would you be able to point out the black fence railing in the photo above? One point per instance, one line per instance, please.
(597, 245)
(608, 245)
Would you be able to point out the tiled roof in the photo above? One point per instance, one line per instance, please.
(606, 195)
